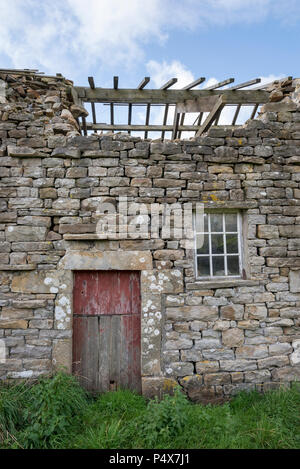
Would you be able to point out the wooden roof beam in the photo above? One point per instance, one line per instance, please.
(220, 84)
(92, 86)
(116, 83)
(143, 83)
(141, 127)
(168, 84)
(165, 120)
(194, 83)
(212, 115)
(163, 96)
(261, 87)
(91, 82)
(246, 83)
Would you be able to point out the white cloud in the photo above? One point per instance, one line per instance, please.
(161, 72)
(68, 35)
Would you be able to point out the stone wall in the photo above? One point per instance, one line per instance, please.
(214, 337)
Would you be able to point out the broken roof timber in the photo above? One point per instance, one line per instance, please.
(143, 128)
(154, 96)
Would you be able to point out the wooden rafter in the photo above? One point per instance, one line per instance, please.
(143, 83)
(194, 83)
(245, 84)
(220, 84)
(168, 84)
(212, 115)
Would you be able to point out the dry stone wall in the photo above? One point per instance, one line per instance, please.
(215, 337)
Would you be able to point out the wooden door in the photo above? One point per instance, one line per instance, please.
(107, 330)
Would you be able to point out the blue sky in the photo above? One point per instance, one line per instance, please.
(134, 38)
(162, 38)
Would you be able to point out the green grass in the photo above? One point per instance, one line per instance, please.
(57, 413)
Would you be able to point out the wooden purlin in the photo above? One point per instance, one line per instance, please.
(143, 127)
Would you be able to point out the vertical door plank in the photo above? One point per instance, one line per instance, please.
(135, 293)
(104, 352)
(114, 355)
(124, 356)
(86, 293)
(86, 351)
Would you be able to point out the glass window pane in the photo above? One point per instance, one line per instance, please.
(216, 222)
(202, 244)
(232, 243)
(203, 266)
(218, 266)
(233, 265)
(205, 222)
(217, 244)
(201, 224)
(231, 221)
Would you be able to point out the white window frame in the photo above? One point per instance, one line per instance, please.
(225, 254)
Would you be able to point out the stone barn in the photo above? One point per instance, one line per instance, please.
(143, 263)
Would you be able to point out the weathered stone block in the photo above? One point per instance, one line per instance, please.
(207, 344)
(252, 351)
(294, 279)
(288, 373)
(267, 231)
(275, 361)
(13, 324)
(51, 281)
(217, 379)
(62, 354)
(218, 354)
(233, 337)
(295, 356)
(232, 312)
(25, 233)
(66, 204)
(189, 313)
(237, 365)
(107, 260)
(167, 281)
(157, 386)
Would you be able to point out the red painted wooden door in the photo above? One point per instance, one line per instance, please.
(107, 330)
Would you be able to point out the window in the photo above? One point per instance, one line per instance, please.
(218, 245)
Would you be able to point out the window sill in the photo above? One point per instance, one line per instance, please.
(222, 283)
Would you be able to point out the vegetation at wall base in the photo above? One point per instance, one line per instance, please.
(57, 413)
